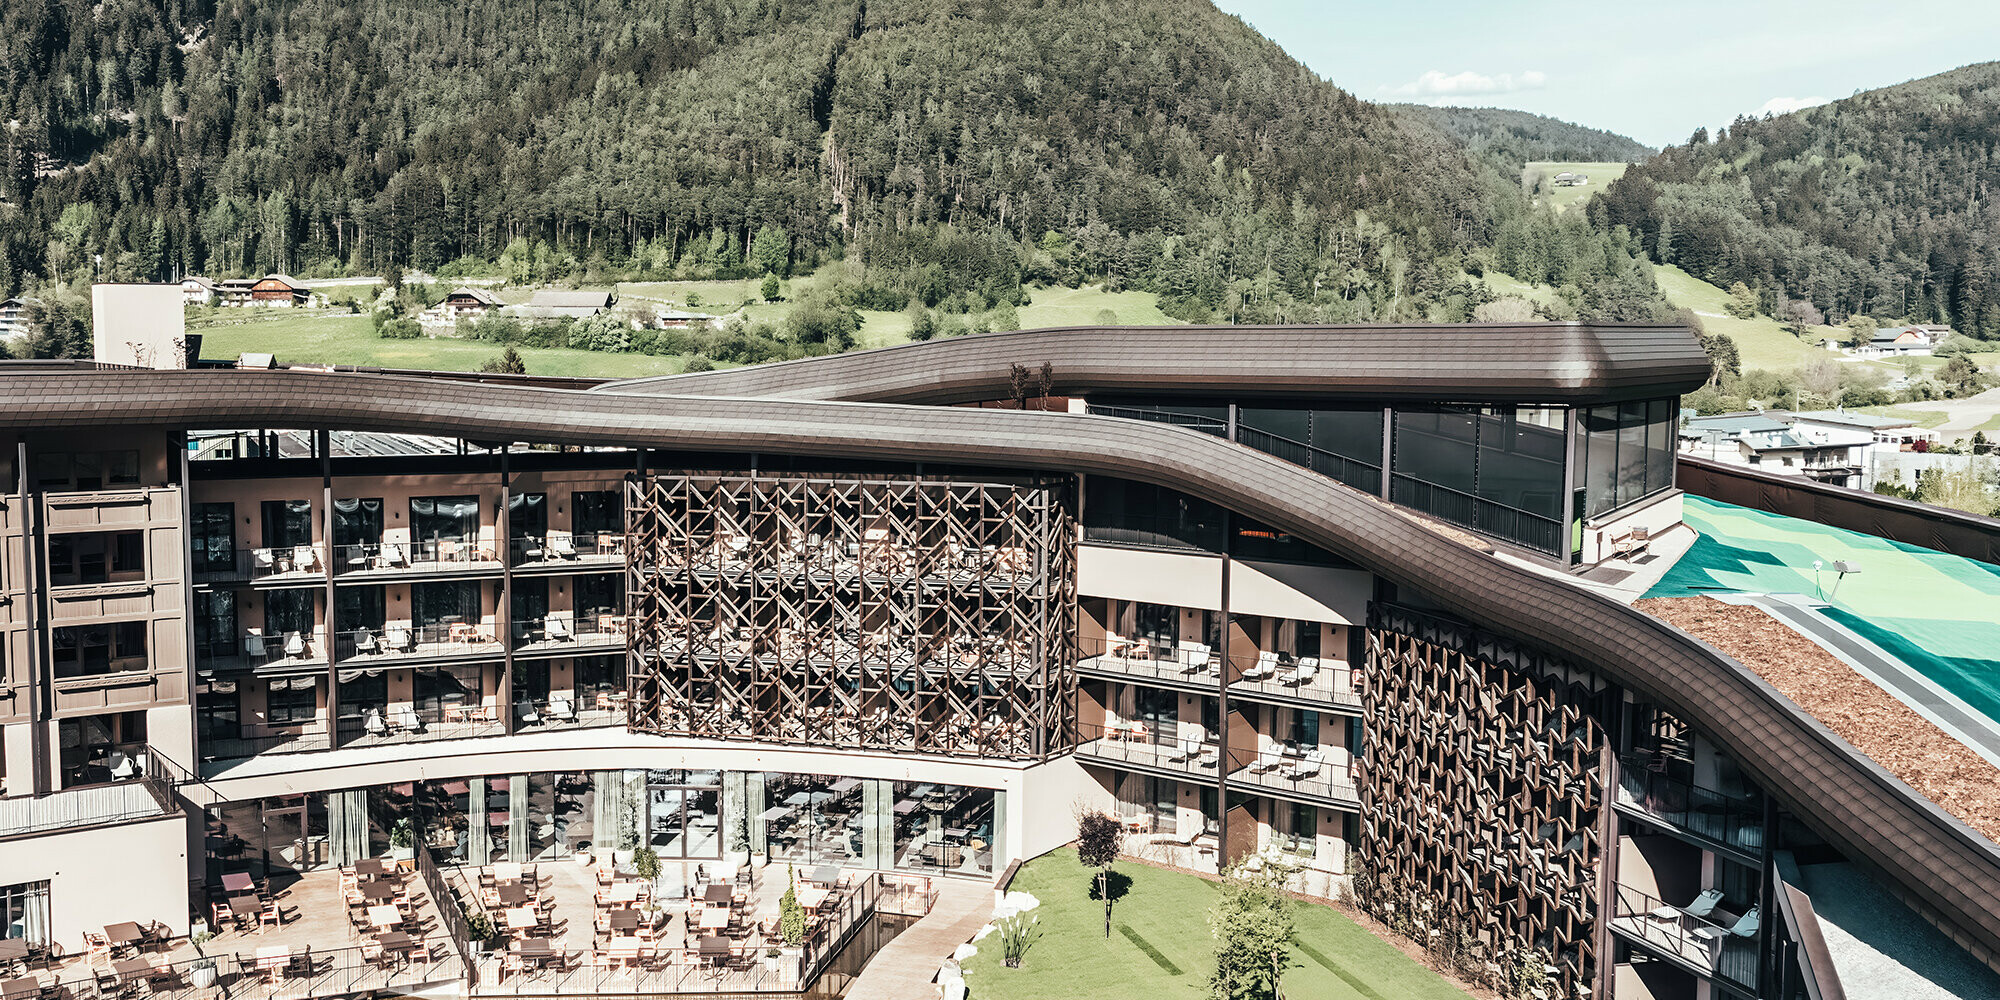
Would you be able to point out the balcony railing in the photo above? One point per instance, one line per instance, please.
(580, 630)
(1193, 421)
(1363, 476)
(1169, 746)
(1300, 771)
(424, 555)
(1536, 531)
(563, 548)
(137, 790)
(269, 564)
(408, 724)
(364, 646)
(1728, 951)
(256, 648)
(1315, 679)
(239, 742)
(1734, 821)
(311, 972)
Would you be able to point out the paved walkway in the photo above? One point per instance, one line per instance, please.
(904, 969)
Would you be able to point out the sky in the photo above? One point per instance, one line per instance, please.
(1653, 71)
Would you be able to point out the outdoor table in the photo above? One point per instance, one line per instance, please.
(625, 949)
(826, 875)
(714, 918)
(17, 989)
(844, 785)
(511, 894)
(522, 918)
(718, 893)
(395, 941)
(370, 868)
(132, 969)
(955, 833)
(377, 891)
(810, 896)
(535, 948)
(13, 949)
(121, 935)
(507, 871)
(273, 960)
(624, 920)
(715, 948)
(237, 883)
(623, 892)
(384, 916)
(241, 907)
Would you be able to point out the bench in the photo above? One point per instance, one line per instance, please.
(1631, 542)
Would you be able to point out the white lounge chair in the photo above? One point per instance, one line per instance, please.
(562, 546)
(295, 644)
(1308, 765)
(253, 643)
(525, 711)
(1194, 657)
(562, 710)
(122, 766)
(305, 558)
(1301, 675)
(408, 719)
(1265, 668)
(373, 725)
(557, 628)
(1703, 904)
(264, 558)
(393, 555)
(365, 642)
(399, 639)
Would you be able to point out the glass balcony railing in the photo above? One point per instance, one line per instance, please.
(425, 555)
(563, 547)
(1252, 673)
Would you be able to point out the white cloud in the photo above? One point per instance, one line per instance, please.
(1437, 84)
(1787, 105)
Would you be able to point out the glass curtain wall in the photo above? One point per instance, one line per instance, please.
(287, 523)
(212, 537)
(597, 512)
(1496, 469)
(944, 827)
(1624, 453)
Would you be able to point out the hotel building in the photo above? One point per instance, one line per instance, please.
(1308, 593)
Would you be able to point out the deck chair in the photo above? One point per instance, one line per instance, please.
(1703, 904)
(295, 644)
(557, 628)
(1302, 674)
(562, 546)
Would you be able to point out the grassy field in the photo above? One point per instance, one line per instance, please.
(1508, 286)
(1922, 418)
(1085, 307)
(1160, 947)
(1601, 175)
(1762, 341)
(351, 340)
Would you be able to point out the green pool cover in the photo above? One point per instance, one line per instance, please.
(1938, 613)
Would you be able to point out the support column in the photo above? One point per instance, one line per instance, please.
(503, 612)
(1388, 446)
(1222, 701)
(40, 701)
(323, 443)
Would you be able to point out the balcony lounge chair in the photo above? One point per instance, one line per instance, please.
(399, 639)
(1703, 904)
(1301, 675)
(562, 546)
(1268, 761)
(295, 644)
(562, 710)
(1265, 668)
(305, 558)
(373, 725)
(122, 765)
(1194, 657)
(265, 559)
(1308, 765)
(365, 642)
(408, 720)
(525, 711)
(558, 628)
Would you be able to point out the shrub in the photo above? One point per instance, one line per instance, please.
(401, 328)
(791, 916)
(1017, 933)
(699, 363)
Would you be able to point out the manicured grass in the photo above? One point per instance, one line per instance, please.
(1083, 306)
(351, 340)
(1601, 176)
(1762, 341)
(719, 297)
(1160, 947)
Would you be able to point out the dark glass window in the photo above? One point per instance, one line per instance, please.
(288, 611)
(290, 702)
(530, 602)
(528, 515)
(357, 521)
(213, 537)
(361, 690)
(597, 511)
(1304, 729)
(600, 594)
(1343, 444)
(1437, 447)
(96, 557)
(447, 687)
(214, 622)
(86, 650)
(1626, 452)
(445, 602)
(1124, 512)
(359, 608)
(1521, 458)
(598, 674)
(122, 468)
(444, 518)
(287, 523)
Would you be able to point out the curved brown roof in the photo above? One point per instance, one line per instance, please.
(1938, 865)
(1466, 362)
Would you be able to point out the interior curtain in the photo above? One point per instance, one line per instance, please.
(1288, 636)
(518, 797)
(478, 836)
(347, 825)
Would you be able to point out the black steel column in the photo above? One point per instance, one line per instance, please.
(1222, 706)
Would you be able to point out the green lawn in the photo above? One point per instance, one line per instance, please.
(1160, 947)
(1762, 341)
(1082, 307)
(1601, 175)
(351, 340)
(1923, 418)
(1507, 286)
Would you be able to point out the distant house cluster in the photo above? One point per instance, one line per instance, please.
(1830, 446)
(272, 291)
(1567, 179)
(1910, 340)
(14, 323)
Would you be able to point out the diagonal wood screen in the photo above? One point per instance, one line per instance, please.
(897, 614)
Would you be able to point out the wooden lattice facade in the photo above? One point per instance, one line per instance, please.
(854, 613)
(1481, 794)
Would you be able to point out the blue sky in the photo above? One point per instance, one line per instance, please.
(1653, 71)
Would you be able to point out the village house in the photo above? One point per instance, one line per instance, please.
(198, 291)
(14, 323)
(556, 304)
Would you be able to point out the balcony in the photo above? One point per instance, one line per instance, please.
(1735, 821)
(1301, 773)
(428, 557)
(400, 643)
(1278, 678)
(285, 565)
(581, 634)
(254, 650)
(560, 551)
(879, 558)
(1691, 935)
(403, 724)
(138, 788)
(1175, 750)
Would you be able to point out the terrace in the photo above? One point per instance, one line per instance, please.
(1261, 675)
(1691, 934)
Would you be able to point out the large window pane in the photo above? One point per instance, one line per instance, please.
(357, 521)
(287, 523)
(1521, 459)
(434, 519)
(1600, 429)
(1660, 440)
(1631, 452)
(1128, 513)
(594, 511)
(213, 537)
(1437, 447)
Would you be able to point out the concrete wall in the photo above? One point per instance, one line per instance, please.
(140, 325)
(138, 871)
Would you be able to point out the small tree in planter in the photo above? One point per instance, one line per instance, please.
(403, 840)
(201, 971)
(1097, 838)
(479, 927)
(791, 916)
(646, 865)
(1016, 934)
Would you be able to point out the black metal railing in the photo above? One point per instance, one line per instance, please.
(1734, 821)
(1485, 516)
(1253, 672)
(1364, 476)
(1193, 421)
(565, 547)
(1728, 951)
(425, 554)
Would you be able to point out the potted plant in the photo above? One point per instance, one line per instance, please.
(582, 854)
(479, 927)
(791, 916)
(774, 960)
(628, 841)
(201, 971)
(403, 840)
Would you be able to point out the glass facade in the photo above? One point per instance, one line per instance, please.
(684, 815)
(1624, 453)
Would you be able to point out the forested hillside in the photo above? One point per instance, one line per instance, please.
(1513, 139)
(1882, 204)
(955, 149)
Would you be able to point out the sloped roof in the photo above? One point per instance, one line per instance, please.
(557, 298)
